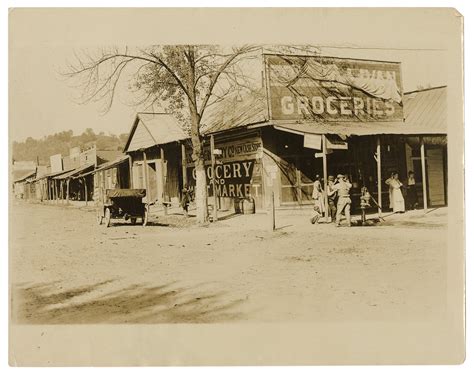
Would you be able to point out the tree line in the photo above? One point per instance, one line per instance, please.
(60, 143)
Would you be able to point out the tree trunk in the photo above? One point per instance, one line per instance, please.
(202, 214)
(200, 197)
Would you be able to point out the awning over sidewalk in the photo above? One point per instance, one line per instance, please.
(74, 172)
(24, 176)
(50, 175)
(108, 165)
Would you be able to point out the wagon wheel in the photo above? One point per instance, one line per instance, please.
(107, 217)
(133, 220)
(145, 216)
(99, 216)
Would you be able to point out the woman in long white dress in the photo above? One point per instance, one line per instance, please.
(397, 202)
(318, 197)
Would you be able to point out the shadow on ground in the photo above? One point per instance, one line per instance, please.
(46, 303)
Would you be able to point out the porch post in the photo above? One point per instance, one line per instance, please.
(325, 177)
(85, 188)
(56, 195)
(379, 176)
(423, 174)
(184, 164)
(130, 169)
(163, 181)
(213, 172)
(67, 191)
(145, 176)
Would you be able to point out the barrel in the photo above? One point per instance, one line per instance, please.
(248, 206)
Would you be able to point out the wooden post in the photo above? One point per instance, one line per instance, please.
(67, 191)
(130, 171)
(423, 174)
(325, 177)
(56, 196)
(213, 177)
(85, 188)
(272, 211)
(184, 165)
(145, 177)
(163, 180)
(379, 176)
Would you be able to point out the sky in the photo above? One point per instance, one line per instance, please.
(42, 101)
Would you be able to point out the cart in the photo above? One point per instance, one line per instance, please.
(123, 204)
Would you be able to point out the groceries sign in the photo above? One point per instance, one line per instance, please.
(333, 89)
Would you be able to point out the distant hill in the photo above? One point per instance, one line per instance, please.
(60, 143)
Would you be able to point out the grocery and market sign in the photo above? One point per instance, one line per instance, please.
(233, 179)
(333, 89)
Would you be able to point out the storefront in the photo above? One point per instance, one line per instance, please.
(327, 116)
(154, 149)
(238, 168)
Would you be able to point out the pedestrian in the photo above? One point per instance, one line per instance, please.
(332, 198)
(397, 202)
(343, 187)
(412, 195)
(185, 199)
(318, 200)
(365, 198)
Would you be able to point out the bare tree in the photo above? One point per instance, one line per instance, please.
(188, 79)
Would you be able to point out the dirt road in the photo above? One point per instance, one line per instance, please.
(67, 269)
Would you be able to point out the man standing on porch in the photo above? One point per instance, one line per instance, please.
(343, 187)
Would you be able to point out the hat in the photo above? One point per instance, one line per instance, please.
(340, 176)
(331, 178)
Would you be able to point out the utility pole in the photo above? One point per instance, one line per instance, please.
(325, 177)
(379, 176)
(213, 176)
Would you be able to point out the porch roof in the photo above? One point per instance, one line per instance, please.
(74, 172)
(108, 165)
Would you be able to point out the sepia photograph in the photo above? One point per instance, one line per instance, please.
(176, 185)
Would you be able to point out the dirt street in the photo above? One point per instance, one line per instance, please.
(65, 268)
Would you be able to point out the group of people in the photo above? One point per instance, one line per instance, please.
(338, 198)
(397, 200)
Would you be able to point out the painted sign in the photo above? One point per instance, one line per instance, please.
(333, 89)
(312, 141)
(233, 179)
(249, 148)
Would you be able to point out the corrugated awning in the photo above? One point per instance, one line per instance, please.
(108, 165)
(51, 174)
(74, 172)
(355, 128)
(24, 176)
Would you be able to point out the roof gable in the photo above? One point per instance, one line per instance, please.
(151, 129)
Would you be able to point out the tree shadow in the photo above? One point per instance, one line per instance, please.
(47, 303)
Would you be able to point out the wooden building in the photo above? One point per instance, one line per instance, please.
(274, 141)
(154, 149)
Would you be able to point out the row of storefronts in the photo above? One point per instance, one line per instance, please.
(313, 116)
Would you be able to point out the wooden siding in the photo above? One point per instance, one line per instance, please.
(141, 138)
(436, 176)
